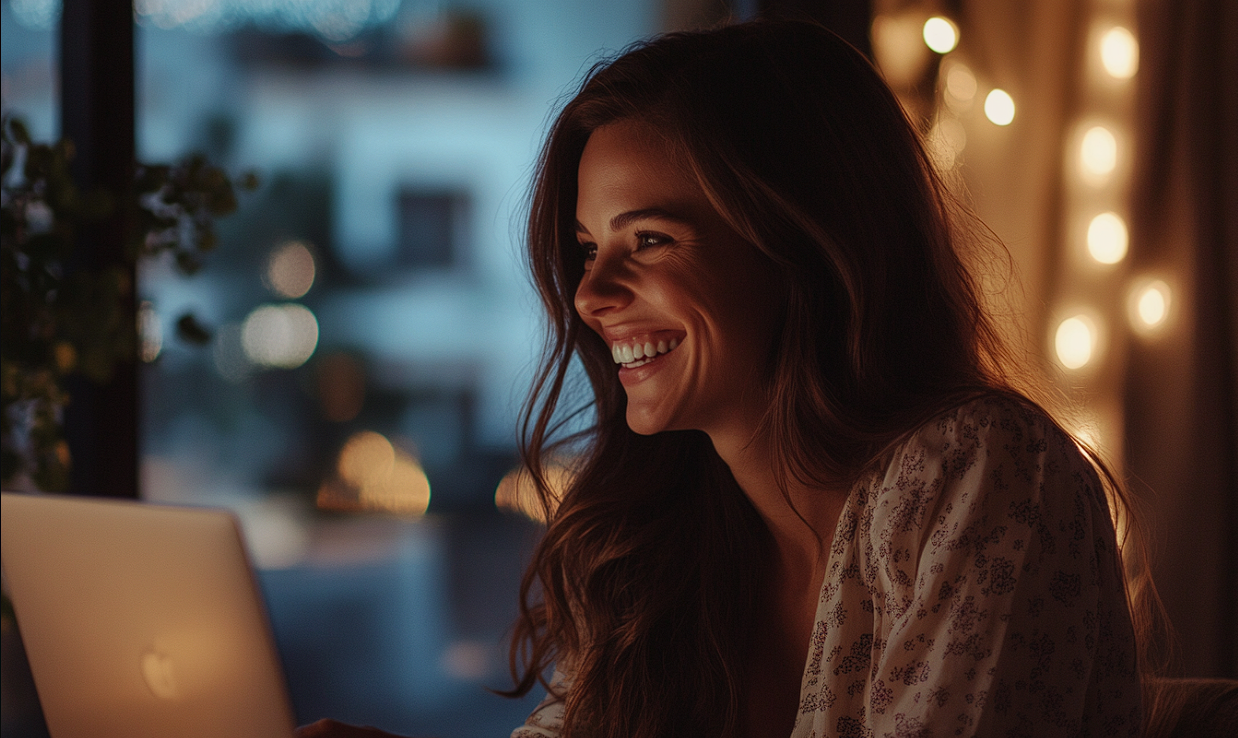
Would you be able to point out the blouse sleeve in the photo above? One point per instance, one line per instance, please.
(546, 720)
(998, 601)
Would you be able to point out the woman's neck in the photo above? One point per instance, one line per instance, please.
(801, 519)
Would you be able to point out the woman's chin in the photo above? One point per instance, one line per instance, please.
(646, 422)
(644, 429)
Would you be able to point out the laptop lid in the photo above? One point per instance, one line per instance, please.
(141, 620)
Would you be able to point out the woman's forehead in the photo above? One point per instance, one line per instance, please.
(628, 165)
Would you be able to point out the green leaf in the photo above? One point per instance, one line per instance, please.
(51, 315)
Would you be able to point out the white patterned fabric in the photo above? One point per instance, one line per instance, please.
(973, 588)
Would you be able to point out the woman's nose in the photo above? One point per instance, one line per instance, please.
(602, 290)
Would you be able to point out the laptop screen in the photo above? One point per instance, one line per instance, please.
(141, 620)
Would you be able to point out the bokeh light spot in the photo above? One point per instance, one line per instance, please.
(1098, 154)
(1107, 238)
(900, 54)
(1152, 304)
(1119, 53)
(940, 34)
(373, 475)
(1075, 341)
(280, 336)
(999, 107)
(290, 270)
(518, 493)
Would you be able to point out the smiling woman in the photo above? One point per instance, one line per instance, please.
(812, 502)
(823, 509)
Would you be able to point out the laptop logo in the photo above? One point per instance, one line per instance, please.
(157, 670)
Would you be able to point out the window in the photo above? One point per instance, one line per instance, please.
(432, 228)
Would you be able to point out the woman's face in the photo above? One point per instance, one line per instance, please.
(687, 307)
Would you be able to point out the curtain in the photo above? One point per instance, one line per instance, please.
(1181, 389)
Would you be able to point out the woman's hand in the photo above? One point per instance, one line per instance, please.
(328, 728)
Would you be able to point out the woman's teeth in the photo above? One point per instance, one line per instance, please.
(632, 355)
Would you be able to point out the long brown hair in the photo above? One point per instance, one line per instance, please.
(647, 573)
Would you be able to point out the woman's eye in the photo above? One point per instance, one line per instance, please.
(646, 240)
(590, 251)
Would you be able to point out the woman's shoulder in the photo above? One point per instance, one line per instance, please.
(992, 474)
(988, 428)
(990, 418)
(996, 444)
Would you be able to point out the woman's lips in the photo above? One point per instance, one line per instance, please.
(640, 370)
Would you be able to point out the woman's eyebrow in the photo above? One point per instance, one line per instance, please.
(623, 220)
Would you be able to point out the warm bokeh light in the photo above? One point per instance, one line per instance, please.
(366, 458)
(150, 332)
(999, 107)
(1098, 154)
(1107, 238)
(1119, 53)
(960, 85)
(1151, 305)
(406, 490)
(282, 336)
(1075, 342)
(940, 34)
(516, 491)
(290, 270)
(901, 55)
(374, 475)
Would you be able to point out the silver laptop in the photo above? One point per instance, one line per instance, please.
(141, 620)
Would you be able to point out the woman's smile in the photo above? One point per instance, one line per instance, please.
(639, 369)
(643, 350)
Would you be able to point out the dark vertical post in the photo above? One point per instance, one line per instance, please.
(850, 19)
(97, 115)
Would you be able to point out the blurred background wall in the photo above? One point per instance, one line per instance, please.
(367, 306)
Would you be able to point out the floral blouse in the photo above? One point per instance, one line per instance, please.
(973, 589)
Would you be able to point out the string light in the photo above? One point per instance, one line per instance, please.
(1098, 154)
(1107, 238)
(1119, 53)
(1075, 341)
(999, 107)
(1154, 305)
(1150, 303)
(940, 34)
(1076, 338)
